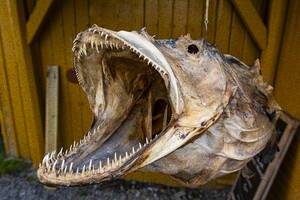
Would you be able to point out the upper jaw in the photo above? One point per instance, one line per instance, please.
(99, 37)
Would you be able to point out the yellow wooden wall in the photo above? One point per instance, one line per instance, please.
(230, 27)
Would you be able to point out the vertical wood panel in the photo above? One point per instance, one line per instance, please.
(237, 36)
(179, 26)
(165, 16)
(195, 18)
(82, 23)
(13, 81)
(151, 16)
(68, 15)
(8, 128)
(224, 17)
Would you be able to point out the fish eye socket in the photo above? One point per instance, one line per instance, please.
(193, 49)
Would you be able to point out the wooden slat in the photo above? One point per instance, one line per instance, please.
(13, 84)
(6, 111)
(252, 21)
(37, 17)
(51, 127)
(151, 16)
(179, 23)
(28, 91)
(237, 36)
(223, 27)
(68, 16)
(195, 18)
(269, 57)
(82, 23)
(165, 16)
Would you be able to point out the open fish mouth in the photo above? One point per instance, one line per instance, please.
(133, 94)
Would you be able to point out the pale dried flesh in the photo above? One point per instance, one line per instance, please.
(175, 106)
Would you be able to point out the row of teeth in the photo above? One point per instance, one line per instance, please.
(49, 163)
(108, 44)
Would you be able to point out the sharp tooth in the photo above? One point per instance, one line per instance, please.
(149, 62)
(74, 144)
(65, 171)
(71, 168)
(70, 148)
(45, 158)
(77, 171)
(115, 156)
(92, 44)
(108, 163)
(54, 165)
(40, 165)
(62, 165)
(90, 166)
(111, 45)
(106, 37)
(126, 155)
(60, 153)
(97, 49)
(140, 55)
(100, 166)
(120, 159)
(102, 33)
(101, 44)
(133, 151)
(147, 141)
(140, 145)
(83, 170)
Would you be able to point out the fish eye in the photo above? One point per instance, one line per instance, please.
(193, 49)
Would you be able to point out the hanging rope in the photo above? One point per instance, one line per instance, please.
(206, 18)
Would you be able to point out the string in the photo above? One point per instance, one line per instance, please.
(206, 18)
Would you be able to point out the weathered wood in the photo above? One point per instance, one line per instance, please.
(6, 111)
(179, 21)
(165, 16)
(195, 18)
(269, 57)
(224, 18)
(37, 17)
(20, 61)
(253, 21)
(51, 128)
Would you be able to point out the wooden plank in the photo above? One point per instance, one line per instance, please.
(151, 16)
(28, 91)
(195, 18)
(165, 16)
(223, 28)
(253, 21)
(7, 121)
(51, 127)
(37, 17)
(179, 21)
(276, 20)
(237, 35)
(13, 84)
(68, 17)
(82, 23)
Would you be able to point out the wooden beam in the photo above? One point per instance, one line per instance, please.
(28, 91)
(36, 18)
(269, 56)
(6, 113)
(51, 109)
(252, 20)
